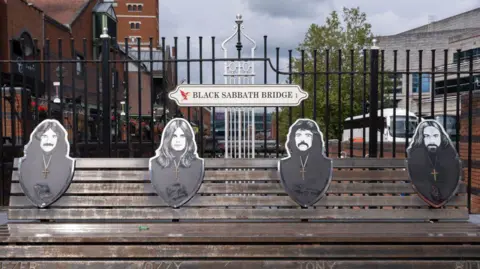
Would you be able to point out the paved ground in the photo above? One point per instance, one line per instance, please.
(473, 218)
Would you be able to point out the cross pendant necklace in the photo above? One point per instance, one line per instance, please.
(434, 172)
(302, 170)
(45, 166)
(176, 169)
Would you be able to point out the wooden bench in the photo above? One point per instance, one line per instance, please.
(111, 217)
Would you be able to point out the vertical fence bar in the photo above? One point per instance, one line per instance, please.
(85, 95)
(314, 85)
(407, 118)
(175, 44)
(327, 99)
(382, 104)
(277, 80)
(35, 84)
(48, 81)
(457, 125)
(60, 73)
(352, 96)
(3, 191)
(115, 88)
(152, 95)
(139, 81)
(364, 101)
(445, 71)
(290, 110)
(212, 116)
(106, 94)
(432, 91)
(188, 74)
(12, 99)
(470, 131)
(74, 106)
(339, 143)
(164, 83)
(373, 132)
(394, 143)
(23, 96)
(303, 80)
(127, 97)
(200, 53)
(420, 84)
(265, 108)
(97, 119)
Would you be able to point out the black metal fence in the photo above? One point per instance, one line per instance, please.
(113, 100)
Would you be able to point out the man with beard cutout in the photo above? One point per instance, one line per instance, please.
(176, 171)
(306, 172)
(46, 169)
(433, 164)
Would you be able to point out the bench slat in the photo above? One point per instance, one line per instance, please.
(154, 201)
(221, 163)
(146, 214)
(218, 175)
(241, 251)
(235, 188)
(240, 264)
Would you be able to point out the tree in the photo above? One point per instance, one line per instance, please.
(342, 43)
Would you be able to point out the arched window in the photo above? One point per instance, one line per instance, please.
(129, 7)
(138, 25)
(132, 25)
(140, 7)
(134, 7)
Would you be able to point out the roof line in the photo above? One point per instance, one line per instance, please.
(442, 20)
(57, 23)
(80, 11)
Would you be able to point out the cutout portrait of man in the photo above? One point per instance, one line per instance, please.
(46, 169)
(306, 172)
(433, 164)
(176, 171)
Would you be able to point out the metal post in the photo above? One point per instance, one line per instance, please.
(373, 132)
(106, 92)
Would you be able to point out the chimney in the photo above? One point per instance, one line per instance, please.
(174, 52)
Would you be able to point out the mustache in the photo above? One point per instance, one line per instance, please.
(302, 143)
(48, 144)
(432, 145)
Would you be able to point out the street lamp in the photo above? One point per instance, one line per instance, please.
(56, 100)
(123, 108)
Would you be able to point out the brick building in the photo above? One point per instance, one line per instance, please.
(138, 19)
(55, 30)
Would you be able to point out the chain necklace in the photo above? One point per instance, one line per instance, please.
(45, 166)
(302, 171)
(176, 168)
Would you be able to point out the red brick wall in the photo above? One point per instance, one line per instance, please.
(3, 34)
(145, 93)
(149, 26)
(464, 128)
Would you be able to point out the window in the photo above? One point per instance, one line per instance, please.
(134, 24)
(79, 65)
(416, 83)
(135, 7)
(465, 55)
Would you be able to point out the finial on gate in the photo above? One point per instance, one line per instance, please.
(239, 19)
(374, 46)
(239, 45)
(105, 33)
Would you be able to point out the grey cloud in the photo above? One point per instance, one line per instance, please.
(291, 9)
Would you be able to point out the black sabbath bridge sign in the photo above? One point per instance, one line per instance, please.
(250, 95)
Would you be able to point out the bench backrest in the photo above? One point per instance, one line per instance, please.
(119, 190)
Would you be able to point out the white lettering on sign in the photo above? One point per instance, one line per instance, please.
(238, 95)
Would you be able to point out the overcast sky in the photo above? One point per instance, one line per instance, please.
(285, 22)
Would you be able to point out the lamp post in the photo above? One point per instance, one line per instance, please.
(56, 100)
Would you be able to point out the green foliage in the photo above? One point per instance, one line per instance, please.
(345, 44)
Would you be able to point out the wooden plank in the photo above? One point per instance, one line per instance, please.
(241, 251)
(232, 175)
(181, 232)
(242, 264)
(145, 214)
(234, 188)
(213, 201)
(220, 163)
